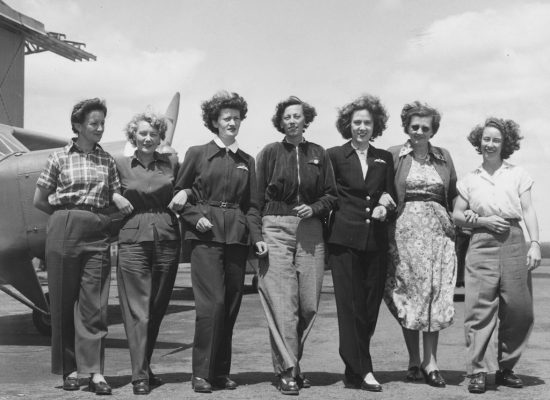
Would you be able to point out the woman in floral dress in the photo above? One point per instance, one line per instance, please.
(422, 263)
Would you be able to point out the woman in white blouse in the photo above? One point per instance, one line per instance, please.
(492, 200)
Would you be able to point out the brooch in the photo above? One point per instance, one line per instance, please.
(242, 166)
(380, 161)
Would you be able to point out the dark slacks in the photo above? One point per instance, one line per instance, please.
(146, 274)
(77, 257)
(358, 279)
(217, 276)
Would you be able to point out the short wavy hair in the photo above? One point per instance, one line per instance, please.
(418, 109)
(223, 99)
(508, 129)
(83, 108)
(309, 112)
(366, 102)
(156, 120)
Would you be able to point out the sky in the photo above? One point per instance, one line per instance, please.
(470, 59)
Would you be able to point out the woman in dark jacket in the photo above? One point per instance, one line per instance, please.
(358, 243)
(221, 218)
(149, 243)
(296, 189)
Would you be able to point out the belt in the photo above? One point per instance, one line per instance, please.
(82, 207)
(152, 211)
(221, 204)
(415, 197)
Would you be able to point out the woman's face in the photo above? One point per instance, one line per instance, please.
(491, 143)
(147, 138)
(293, 120)
(91, 130)
(228, 123)
(420, 130)
(362, 127)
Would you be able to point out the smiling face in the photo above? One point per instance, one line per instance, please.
(491, 143)
(293, 121)
(228, 124)
(420, 130)
(362, 127)
(91, 130)
(147, 138)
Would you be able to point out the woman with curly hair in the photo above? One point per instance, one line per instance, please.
(149, 243)
(492, 200)
(357, 243)
(422, 261)
(296, 189)
(221, 218)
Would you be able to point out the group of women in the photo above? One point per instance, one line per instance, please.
(382, 219)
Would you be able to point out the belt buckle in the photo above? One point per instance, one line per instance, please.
(223, 204)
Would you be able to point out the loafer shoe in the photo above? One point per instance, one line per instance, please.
(201, 385)
(70, 383)
(477, 383)
(506, 377)
(141, 386)
(224, 382)
(413, 374)
(101, 388)
(371, 387)
(302, 381)
(434, 378)
(288, 386)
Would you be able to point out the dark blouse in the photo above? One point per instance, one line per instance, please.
(223, 185)
(149, 189)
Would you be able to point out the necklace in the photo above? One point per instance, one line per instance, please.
(421, 158)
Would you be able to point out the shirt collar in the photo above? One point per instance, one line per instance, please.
(233, 147)
(287, 142)
(357, 150)
(481, 170)
(156, 158)
(73, 146)
(434, 151)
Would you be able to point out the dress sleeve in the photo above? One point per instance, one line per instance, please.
(48, 177)
(525, 182)
(187, 174)
(253, 217)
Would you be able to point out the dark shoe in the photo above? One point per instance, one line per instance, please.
(371, 387)
(477, 383)
(288, 386)
(101, 388)
(154, 380)
(141, 387)
(224, 382)
(434, 378)
(201, 385)
(302, 381)
(413, 374)
(506, 377)
(70, 383)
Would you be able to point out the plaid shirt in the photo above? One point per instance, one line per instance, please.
(79, 178)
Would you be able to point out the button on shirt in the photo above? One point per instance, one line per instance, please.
(79, 178)
(149, 188)
(497, 194)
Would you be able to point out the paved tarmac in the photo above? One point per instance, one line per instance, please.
(25, 354)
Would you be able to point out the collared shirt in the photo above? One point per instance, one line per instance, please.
(233, 147)
(362, 154)
(149, 188)
(79, 178)
(497, 194)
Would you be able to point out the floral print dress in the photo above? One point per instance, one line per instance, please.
(422, 262)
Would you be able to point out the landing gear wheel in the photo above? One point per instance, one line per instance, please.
(42, 323)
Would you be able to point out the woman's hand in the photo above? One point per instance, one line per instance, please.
(495, 223)
(261, 249)
(379, 213)
(471, 217)
(386, 201)
(533, 256)
(204, 225)
(122, 203)
(178, 201)
(303, 211)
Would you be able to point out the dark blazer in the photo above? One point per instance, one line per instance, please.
(351, 222)
(215, 175)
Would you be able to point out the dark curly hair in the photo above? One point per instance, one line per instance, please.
(366, 102)
(508, 129)
(211, 108)
(83, 108)
(309, 112)
(157, 121)
(419, 109)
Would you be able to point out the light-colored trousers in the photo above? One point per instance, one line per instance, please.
(290, 282)
(498, 287)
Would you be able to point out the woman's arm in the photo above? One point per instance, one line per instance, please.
(469, 220)
(532, 225)
(40, 200)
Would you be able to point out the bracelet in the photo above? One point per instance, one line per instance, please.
(536, 241)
